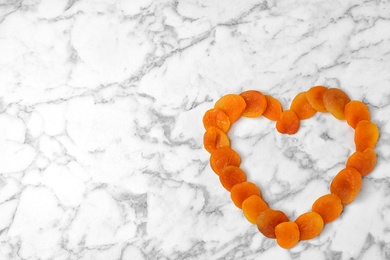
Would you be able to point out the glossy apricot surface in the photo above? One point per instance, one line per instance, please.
(256, 103)
(233, 105)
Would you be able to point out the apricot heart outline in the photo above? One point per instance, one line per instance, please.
(229, 103)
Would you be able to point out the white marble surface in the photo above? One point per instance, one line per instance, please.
(101, 104)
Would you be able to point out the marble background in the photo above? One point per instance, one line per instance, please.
(101, 105)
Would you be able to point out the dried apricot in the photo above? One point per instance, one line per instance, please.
(366, 135)
(329, 207)
(301, 106)
(256, 103)
(356, 111)
(310, 225)
(288, 123)
(287, 234)
(223, 157)
(335, 100)
(315, 97)
(214, 138)
(246, 195)
(364, 162)
(233, 105)
(242, 191)
(346, 185)
(252, 207)
(268, 220)
(216, 117)
(230, 176)
(273, 110)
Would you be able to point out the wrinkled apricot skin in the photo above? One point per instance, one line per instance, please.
(273, 110)
(301, 106)
(230, 176)
(240, 192)
(256, 103)
(366, 135)
(223, 157)
(310, 225)
(214, 138)
(287, 234)
(335, 101)
(233, 105)
(216, 118)
(329, 207)
(315, 97)
(252, 207)
(356, 111)
(364, 162)
(268, 220)
(288, 123)
(346, 185)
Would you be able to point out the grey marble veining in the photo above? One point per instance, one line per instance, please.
(101, 106)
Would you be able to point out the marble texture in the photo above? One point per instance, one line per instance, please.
(101, 104)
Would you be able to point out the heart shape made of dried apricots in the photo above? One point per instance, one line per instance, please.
(344, 188)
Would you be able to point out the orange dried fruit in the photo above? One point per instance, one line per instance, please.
(273, 110)
(217, 118)
(215, 138)
(242, 191)
(233, 105)
(246, 195)
(364, 162)
(335, 100)
(256, 103)
(301, 106)
(288, 123)
(223, 157)
(356, 111)
(366, 135)
(268, 220)
(310, 225)
(230, 176)
(315, 97)
(252, 207)
(329, 207)
(346, 185)
(287, 234)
